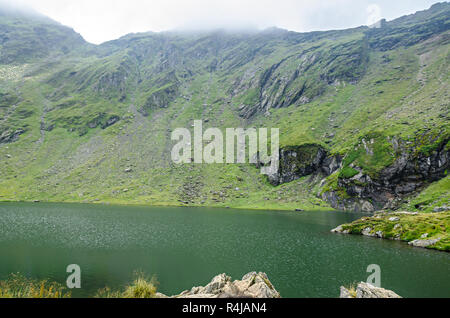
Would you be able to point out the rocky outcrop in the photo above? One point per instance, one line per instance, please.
(410, 173)
(300, 161)
(364, 290)
(161, 98)
(252, 285)
(347, 204)
(103, 120)
(10, 136)
(167, 90)
(280, 85)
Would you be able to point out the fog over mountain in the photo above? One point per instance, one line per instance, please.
(102, 20)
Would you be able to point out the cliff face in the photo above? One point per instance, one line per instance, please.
(360, 191)
(302, 161)
(410, 173)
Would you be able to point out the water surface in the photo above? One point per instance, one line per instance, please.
(187, 247)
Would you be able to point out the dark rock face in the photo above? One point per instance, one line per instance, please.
(104, 121)
(111, 121)
(301, 161)
(162, 97)
(281, 86)
(410, 173)
(345, 204)
(10, 136)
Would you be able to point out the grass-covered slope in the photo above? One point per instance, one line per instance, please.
(93, 123)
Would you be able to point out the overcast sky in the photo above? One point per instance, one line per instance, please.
(103, 20)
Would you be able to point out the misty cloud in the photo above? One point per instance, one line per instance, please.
(374, 12)
(102, 20)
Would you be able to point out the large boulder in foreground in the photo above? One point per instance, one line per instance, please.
(365, 290)
(252, 285)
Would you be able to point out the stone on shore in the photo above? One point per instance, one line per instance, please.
(252, 285)
(424, 243)
(365, 290)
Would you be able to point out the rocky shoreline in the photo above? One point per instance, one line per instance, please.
(258, 285)
(424, 230)
(252, 285)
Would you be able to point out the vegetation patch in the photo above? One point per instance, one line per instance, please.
(348, 173)
(18, 286)
(406, 227)
(373, 153)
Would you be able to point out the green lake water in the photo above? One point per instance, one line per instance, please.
(186, 247)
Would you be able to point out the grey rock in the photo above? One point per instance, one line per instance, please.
(441, 209)
(339, 229)
(367, 231)
(252, 285)
(365, 290)
(424, 243)
(10, 136)
(367, 207)
(345, 293)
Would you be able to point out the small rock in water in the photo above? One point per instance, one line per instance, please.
(339, 229)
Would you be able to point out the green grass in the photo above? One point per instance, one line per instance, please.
(18, 286)
(437, 195)
(408, 228)
(348, 173)
(141, 287)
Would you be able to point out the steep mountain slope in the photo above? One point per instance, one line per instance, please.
(363, 114)
(25, 36)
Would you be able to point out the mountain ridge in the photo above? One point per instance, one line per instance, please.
(92, 123)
